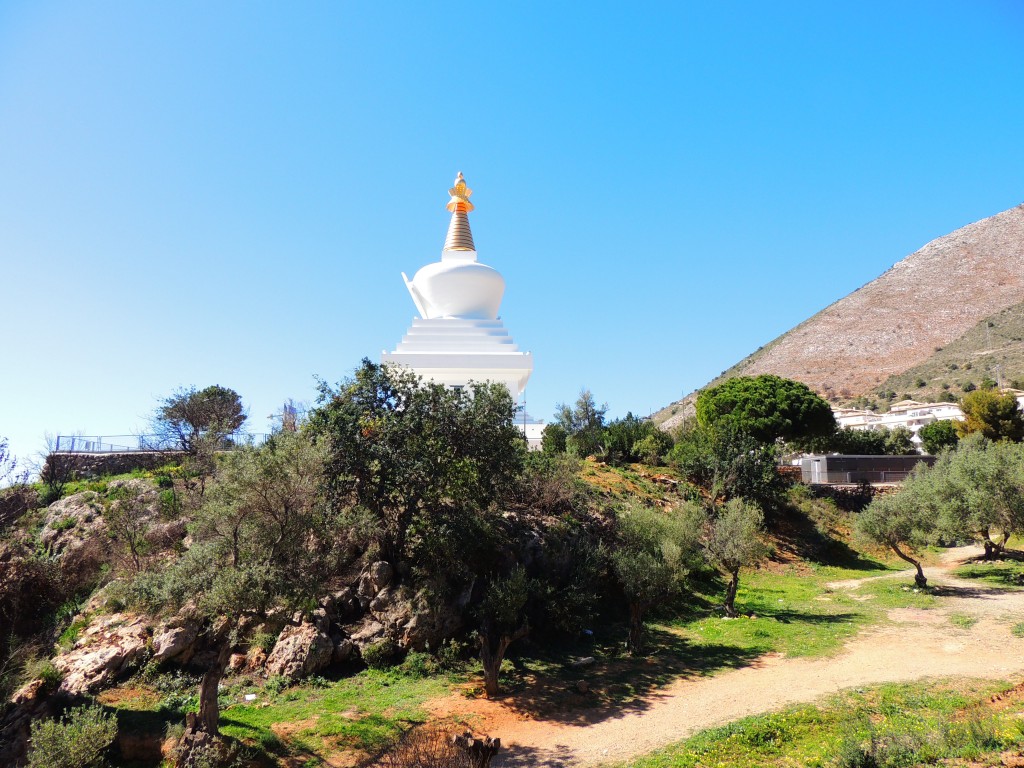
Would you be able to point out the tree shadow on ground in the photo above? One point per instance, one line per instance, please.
(614, 685)
(980, 592)
(558, 756)
(797, 537)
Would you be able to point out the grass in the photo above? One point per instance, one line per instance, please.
(962, 620)
(1006, 573)
(794, 613)
(886, 726)
(310, 720)
(797, 614)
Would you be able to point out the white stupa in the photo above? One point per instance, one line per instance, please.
(458, 337)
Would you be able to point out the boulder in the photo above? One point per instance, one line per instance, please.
(170, 642)
(300, 650)
(236, 662)
(108, 647)
(367, 633)
(343, 648)
(374, 579)
(255, 659)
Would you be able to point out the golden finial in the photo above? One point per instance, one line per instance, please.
(460, 196)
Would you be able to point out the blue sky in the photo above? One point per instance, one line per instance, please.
(195, 193)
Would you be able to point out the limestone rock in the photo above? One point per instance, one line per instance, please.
(343, 648)
(110, 646)
(367, 633)
(255, 659)
(300, 650)
(374, 579)
(170, 642)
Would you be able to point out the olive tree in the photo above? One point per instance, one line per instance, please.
(407, 452)
(903, 522)
(733, 542)
(655, 553)
(263, 540)
(976, 491)
(502, 615)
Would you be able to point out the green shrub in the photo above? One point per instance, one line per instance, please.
(42, 669)
(380, 655)
(77, 740)
(418, 664)
(263, 640)
(170, 504)
(66, 524)
(452, 655)
(276, 684)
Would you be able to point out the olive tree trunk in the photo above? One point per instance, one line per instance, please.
(492, 653)
(730, 593)
(919, 578)
(635, 640)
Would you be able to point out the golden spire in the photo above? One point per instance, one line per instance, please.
(460, 238)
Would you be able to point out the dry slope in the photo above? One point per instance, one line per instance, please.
(927, 300)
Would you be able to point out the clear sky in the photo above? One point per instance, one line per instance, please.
(197, 193)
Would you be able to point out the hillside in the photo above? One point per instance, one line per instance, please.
(870, 340)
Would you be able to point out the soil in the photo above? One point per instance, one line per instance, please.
(913, 645)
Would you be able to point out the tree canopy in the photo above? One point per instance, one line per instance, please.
(938, 435)
(766, 407)
(996, 416)
(583, 424)
(409, 452)
(189, 415)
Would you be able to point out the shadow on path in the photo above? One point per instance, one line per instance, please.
(614, 687)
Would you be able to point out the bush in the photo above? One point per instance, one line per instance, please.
(276, 684)
(77, 740)
(418, 664)
(43, 669)
(380, 655)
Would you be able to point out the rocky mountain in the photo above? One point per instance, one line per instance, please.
(870, 343)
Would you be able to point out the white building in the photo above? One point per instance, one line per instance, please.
(458, 337)
(906, 413)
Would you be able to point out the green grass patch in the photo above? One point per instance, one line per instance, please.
(361, 712)
(1004, 573)
(310, 720)
(962, 620)
(887, 726)
(797, 614)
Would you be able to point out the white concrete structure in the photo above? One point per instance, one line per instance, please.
(458, 337)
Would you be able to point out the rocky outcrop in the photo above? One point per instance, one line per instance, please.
(108, 648)
(300, 651)
(71, 521)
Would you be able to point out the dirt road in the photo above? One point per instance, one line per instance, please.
(917, 644)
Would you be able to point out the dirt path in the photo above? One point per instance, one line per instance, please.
(917, 644)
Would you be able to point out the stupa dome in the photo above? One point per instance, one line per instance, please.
(458, 286)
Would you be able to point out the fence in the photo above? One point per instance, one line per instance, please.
(136, 443)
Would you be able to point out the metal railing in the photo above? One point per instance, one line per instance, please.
(136, 443)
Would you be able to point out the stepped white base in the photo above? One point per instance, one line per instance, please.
(456, 351)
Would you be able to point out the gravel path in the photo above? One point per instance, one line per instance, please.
(917, 644)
